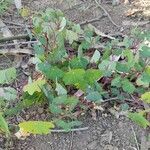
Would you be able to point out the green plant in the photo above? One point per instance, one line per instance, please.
(63, 71)
(4, 4)
(62, 57)
(141, 117)
(7, 94)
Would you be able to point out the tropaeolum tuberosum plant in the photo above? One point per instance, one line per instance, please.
(63, 58)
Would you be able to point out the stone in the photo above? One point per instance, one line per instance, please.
(110, 147)
(92, 145)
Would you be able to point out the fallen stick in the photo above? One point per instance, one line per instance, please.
(92, 20)
(16, 51)
(72, 130)
(16, 24)
(11, 38)
(108, 15)
(18, 44)
(98, 32)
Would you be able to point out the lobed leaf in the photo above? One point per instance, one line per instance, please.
(7, 75)
(3, 125)
(146, 97)
(139, 119)
(36, 127)
(35, 86)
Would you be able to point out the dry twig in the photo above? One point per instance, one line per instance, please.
(71, 144)
(108, 15)
(16, 51)
(92, 20)
(135, 138)
(72, 130)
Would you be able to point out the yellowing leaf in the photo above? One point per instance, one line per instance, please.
(35, 86)
(36, 127)
(146, 97)
(139, 119)
(24, 12)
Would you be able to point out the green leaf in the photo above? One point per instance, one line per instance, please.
(35, 86)
(7, 75)
(92, 75)
(60, 99)
(8, 93)
(122, 67)
(94, 96)
(36, 127)
(146, 97)
(60, 89)
(55, 73)
(55, 109)
(116, 82)
(78, 63)
(128, 86)
(146, 75)
(3, 125)
(71, 36)
(139, 119)
(63, 23)
(68, 125)
(145, 52)
(139, 82)
(124, 107)
(130, 57)
(107, 67)
(127, 42)
(75, 77)
(39, 50)
(50, 72)
(77, 28)
(48, 93)
(75, 123)
(96, 56)
(70, 102)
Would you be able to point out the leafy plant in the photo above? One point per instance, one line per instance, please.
(63, 71)
(67, 65)
(140, 117)
(7, 94)
(4, 4)
(4, 126)
(7, 75)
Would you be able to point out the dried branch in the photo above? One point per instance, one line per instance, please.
(72, 130)
(92, 20)
(11, 38)
(108, 15)
(16, 51)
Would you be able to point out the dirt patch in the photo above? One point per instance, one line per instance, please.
(80, 11)
(106, 133)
